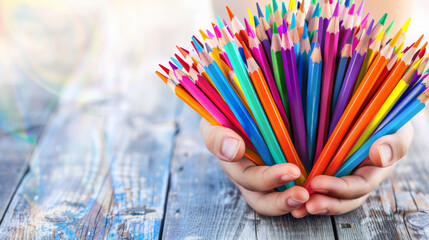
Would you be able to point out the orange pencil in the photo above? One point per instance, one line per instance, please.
(273, 114)
(351, 111)
(371, 110)
(191, 102)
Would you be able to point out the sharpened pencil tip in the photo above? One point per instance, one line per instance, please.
(198, 47)
(165, 69)
(230, 13)
(380, 36)
(337, 10)
(293, 22)
(395, 39)
(383, 19)
(369, 29)
(416, 44)
(406, 25)
(256, 21)
(352, 9)
(316, 11)
(275, 28)
(360, 9)
(284, 10)
(160, 75)
(275, 6)
(219, 21)
(260, 14)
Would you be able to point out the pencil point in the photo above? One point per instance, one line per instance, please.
(302, 6)
(293, 22)
(313, 2)
(305, 31)
(337, 10)
(160, 75)
(292, 5)
(260, 14)
(256, 21)
(369, 29)
(380, 36)
(275, 29)
(316, 11)
(219, 21)
(198, 47)
(230, 13)
(284, 26)
(395, 39)
(284, 11)
(165, 69)
(360, 10)
(383, 19)
(275, 6)
(249, 29)
(347, 3)
(352, 9)
(406, 25)
(174, 67)
(416, 44)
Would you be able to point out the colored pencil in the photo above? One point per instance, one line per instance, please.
(259, 55)
(311, 10)
(294, 94)
(279, 71)
(294, 35)
(254, 102)
(273, 114)
(313, 25)
(358, 16)
(351, 112)
(304, 53)
(394, 96)
(313, 96)
(346, 29)
(421, 86)
(393, 126)
(324, 19)
(236, 106)
(369, 113)
(190, 101)
(343, 64)
(329, 61)
(387, 33)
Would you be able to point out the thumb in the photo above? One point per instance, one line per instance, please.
(223, 142)
(387, 150)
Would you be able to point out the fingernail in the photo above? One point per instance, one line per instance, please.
(230, 148)
(385, 154)
(294, 203)
(322, 212)
(287, 178)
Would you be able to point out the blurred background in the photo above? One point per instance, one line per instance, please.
(86, 52)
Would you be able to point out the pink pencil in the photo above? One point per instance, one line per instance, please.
(329, 61)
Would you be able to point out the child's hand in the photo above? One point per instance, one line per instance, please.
(334, 195)
(256, 183)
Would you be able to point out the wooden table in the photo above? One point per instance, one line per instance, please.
(117, 156)
(112, 169)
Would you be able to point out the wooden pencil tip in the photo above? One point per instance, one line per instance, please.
(337, 10)
(182, 62)
(260, 14)
(284, 10)
(417, 43)
(406, 25)
(275, 28)
(247, 53)
(360, 9)
(369, 29)
(275, 6)
(219, 21)
(302, 6)
(293, 22)
(160, 75)
(380, 36)
(197, 46)
(230, 13)
(352, 10)
(203, 35)
(165, 69)
(395, 39)
(316, 11)
(383, 19)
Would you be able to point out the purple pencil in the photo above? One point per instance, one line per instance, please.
(350, 80)
(294, 94)
(346, 28)
(329, 62)
(263, 38)
(324, 18)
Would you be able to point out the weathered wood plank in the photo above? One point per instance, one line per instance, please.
(204, 204)
(97, 171)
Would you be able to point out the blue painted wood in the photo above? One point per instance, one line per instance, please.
(98, 172)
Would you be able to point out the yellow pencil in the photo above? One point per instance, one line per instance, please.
(396, 94)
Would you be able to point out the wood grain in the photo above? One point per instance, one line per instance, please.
(95, 173)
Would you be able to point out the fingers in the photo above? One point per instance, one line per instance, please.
(224, 143)
(320, 204)
(390, 149)
(361, 183)
(260, 178)
(276, 203)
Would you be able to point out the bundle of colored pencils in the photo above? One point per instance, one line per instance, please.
(314, 88)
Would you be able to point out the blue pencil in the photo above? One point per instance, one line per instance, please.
(420, 87)
(416, 106)
(304, 53)
(313, 98)
(343, 64)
